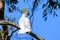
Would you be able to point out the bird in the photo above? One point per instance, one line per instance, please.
(24, 22)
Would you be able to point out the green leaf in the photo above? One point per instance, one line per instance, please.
(0, 32)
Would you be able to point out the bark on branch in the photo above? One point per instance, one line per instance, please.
(13, 32)
(16, 26)
(9, 23)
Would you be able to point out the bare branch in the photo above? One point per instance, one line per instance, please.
(35, 36)
(6, 38)
(15, 25)
(9, 23)
(13, 32)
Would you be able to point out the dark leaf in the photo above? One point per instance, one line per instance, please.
(44, 5)
(50, 11)
(44, 13)
(45, 18)
(56, 14)
(49, 5)
(59, 6)
(38, 0)
(55, 6)
(9, 9)
(13, 1)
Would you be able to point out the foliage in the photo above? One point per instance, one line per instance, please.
(0, 32)
(49, 6)
(35, 5)
(11, 5)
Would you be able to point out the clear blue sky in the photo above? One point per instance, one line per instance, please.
(50, 29)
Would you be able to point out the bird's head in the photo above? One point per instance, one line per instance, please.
(25, 11)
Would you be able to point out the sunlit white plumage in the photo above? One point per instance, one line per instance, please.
(24, 24)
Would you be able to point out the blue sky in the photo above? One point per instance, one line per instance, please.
(50, 29)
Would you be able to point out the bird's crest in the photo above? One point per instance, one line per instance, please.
(24, 10)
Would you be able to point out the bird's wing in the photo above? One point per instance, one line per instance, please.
(21, 23)
(27, 23)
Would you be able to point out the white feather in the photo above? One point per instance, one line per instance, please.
(24, 24)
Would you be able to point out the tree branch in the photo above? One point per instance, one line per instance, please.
(9, 23)
(35, 36)
(13, 32)
(15, 25)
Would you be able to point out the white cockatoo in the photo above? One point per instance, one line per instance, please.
(24, 22)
